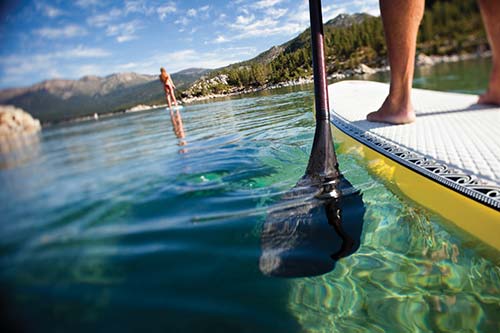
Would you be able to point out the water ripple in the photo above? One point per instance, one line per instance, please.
(117, 221)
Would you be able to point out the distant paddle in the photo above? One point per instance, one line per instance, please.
(319, 220)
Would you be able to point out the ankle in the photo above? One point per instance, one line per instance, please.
(400, 101)
(400, 93)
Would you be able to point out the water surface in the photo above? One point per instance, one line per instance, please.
(114, 225)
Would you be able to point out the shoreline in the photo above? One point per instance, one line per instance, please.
(96, 117)
(421, 60)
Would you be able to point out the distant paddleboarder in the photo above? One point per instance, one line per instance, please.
(168, 86)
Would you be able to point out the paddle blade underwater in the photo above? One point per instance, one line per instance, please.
(305, 235)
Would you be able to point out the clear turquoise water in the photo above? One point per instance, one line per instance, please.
(114, 226)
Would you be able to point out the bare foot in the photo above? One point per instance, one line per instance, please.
(489, 97)
(393, 113)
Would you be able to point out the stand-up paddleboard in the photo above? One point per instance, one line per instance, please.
(448, 160)
(180, 107)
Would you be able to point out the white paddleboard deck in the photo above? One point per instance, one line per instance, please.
(454, 141)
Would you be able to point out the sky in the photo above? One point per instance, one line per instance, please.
(41, 39)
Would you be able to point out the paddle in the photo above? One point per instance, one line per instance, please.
(319, 220)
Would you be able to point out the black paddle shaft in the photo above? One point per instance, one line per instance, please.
(322, 161)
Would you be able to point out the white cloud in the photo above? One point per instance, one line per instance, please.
(264, 18)
(182, 21)
(125, 38)
(372, 10)
(68, 31)
(127, 66)
(364, 6)
(267, 18)
(101, 20)
(48, 10)
(164, 10)
(217, 58)
(187, 58)
(82, 52)
(220, 39)
(88, 69)
(331, 12)
(47, 65)
(276, 12)
(242, 21)
(192, 12)
(138, 6)
(204, 12)
(266, 3)
(87, 3)
(124, 32)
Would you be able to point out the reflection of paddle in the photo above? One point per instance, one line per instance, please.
(320, 219)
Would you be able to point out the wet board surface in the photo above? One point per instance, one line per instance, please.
(454, 141)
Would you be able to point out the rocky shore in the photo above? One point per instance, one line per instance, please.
(421, 60)
(360, 70)
(425, 60)
(14, 121)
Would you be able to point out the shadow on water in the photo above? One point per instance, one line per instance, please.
(305, 235)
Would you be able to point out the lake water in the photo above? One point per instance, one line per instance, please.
(117, 226)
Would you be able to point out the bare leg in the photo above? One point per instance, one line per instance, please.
(401, 20)
(167, 95)
(172, 95)
(490, 10)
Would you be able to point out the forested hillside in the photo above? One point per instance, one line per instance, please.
(448, 27)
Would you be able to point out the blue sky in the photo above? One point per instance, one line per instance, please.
(69, 39)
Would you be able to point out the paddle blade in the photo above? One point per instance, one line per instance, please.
(305, 236)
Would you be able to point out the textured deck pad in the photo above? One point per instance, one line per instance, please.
(451, 129)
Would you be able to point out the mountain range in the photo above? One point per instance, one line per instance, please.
(59, 100)
(350, 40)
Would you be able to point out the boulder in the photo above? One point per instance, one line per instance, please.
(424, 60)
(364, 69)
(14, 122)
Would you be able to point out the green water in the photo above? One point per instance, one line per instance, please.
(470, 76)
(115, 226)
